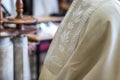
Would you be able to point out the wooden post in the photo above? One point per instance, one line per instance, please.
(19, 6)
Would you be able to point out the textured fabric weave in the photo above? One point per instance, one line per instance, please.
(86, 46)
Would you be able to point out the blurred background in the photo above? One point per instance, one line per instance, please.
(49, 14)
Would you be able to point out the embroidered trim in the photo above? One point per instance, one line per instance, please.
(67, 36)
(61, 25)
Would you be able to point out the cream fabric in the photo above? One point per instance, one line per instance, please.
(86, 46)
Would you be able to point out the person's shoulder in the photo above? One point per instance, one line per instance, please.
(107, 10)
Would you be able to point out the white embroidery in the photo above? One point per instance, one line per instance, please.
(64, 37)
(61, 48)
(76, 18)
(52, 46)
(68, 34)
(70, 25)
(77, 15)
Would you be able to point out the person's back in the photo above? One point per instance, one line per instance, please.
(45, 7)
(86, 46)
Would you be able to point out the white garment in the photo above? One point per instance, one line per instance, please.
(10, 6)
(6, 59)
(45, 7)
(21, 59)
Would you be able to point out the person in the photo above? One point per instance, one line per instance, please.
(45, 7)
(64, 5)
(86, 45)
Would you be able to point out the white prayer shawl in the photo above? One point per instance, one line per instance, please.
(86, 46)
(45, 7)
